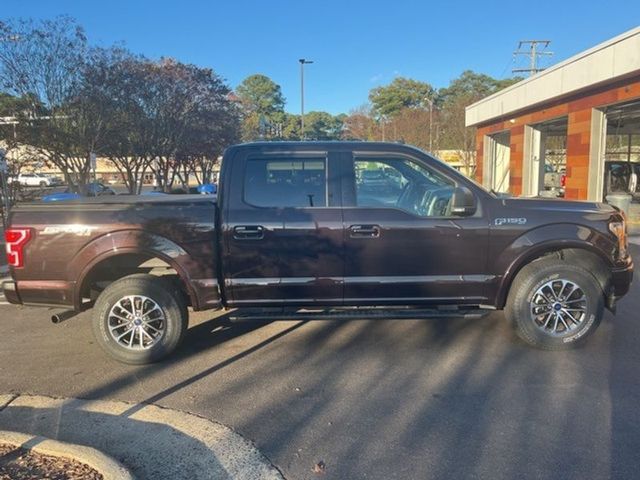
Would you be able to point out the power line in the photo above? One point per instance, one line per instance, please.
(533, 52)
(506, 67)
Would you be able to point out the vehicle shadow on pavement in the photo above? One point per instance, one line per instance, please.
(197, 342)
(329, 348)
(222, 329)
(199, 338)
(459, 411)
(437, 398)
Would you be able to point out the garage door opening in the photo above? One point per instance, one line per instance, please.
(622, 156)
(498, 154)
(545, 162)
(622, 151)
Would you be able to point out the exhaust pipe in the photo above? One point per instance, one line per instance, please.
(62, 316)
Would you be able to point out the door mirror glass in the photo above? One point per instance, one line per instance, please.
(463, 202)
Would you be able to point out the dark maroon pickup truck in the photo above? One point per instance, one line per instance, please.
(335, 229)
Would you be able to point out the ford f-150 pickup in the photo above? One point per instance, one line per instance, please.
(301, 229)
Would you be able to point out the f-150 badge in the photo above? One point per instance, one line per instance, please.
(510, 221)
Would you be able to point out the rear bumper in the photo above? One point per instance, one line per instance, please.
(39, 292)
(11, 292)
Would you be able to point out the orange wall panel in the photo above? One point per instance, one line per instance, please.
(578, 109)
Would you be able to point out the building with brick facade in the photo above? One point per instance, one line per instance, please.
(566, 130)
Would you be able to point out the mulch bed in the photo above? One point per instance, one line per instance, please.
(20, 464)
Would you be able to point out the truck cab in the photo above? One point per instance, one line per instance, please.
(308, 224)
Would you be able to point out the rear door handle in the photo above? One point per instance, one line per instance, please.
(364, 231)
(248, 232)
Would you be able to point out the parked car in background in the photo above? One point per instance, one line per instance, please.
(36, 180)
(95, 189)
(207, 189)
(98, 189)
(621, 177)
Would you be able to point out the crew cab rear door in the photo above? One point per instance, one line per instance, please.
(282, 230)
(402, 244)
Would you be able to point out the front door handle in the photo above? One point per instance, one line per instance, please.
(364, 231)
(248, 232)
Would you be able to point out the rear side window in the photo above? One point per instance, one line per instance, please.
(298, 182)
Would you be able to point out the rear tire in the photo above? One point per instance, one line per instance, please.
(554, 305)
(140, 319)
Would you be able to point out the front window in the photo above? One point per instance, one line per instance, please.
(403, 184)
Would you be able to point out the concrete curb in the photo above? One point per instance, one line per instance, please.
(151, 441)
(107, 466)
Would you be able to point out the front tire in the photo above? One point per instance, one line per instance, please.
(554, 305)
(140, 319)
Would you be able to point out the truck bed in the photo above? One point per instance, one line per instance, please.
(69, 239)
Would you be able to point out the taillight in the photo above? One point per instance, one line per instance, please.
(563, 180)
(16, 239)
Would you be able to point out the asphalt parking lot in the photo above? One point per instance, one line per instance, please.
(371, 399)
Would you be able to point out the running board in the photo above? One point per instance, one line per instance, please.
(356, 313)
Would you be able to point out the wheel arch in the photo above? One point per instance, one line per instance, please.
(134, 248)
(580, 252)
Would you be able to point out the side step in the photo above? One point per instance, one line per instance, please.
(355, 313)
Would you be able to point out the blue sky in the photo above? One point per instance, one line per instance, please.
(356, 45)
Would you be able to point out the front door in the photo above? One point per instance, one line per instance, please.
(283, 241)
(402, 244)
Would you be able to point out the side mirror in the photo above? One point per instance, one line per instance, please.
(463, 202)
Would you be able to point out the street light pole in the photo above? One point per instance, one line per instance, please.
(430, 124)
(302, 61)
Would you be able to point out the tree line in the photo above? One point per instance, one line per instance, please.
(62, 100)
(406, 110)
(65, 100)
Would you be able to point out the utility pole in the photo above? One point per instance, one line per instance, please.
(303, 62)
(533, 52)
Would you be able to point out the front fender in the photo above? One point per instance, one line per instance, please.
(538, 241)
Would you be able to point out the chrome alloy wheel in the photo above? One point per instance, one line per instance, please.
(558, 307)
(136, 322)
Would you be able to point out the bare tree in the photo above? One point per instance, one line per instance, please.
(360, 125)
(44, 62)
(457, 136)
(190, 118)
(115, 82)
